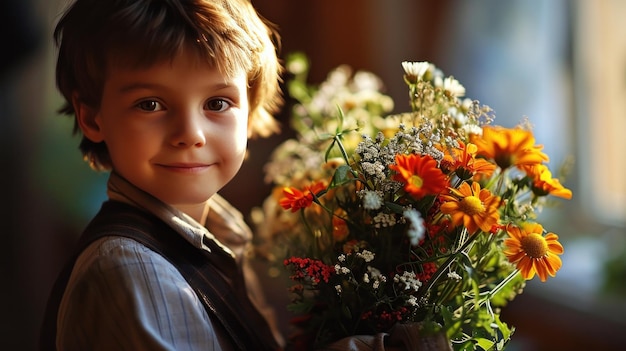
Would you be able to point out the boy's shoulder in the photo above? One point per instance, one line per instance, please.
(125, 260)
(116, 275)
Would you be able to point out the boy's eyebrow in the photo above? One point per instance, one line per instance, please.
(137, 86)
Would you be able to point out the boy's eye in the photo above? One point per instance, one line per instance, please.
(150, 105)
(218, 105)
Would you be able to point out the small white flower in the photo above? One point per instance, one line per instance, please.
(366, 278)
(366, 255)
(374, 169)
(473, 129)
(416, 69)
(416, 230)
(466, 104)
(408, 280)
(375, 272)
(383, 220)
(453, 86)
(366, 81)
(454, 275)
(338, 288)
(372, 200)
(341, 269)
(458, 116)
(375, 276)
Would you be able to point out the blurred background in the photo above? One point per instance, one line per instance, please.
(561, 63)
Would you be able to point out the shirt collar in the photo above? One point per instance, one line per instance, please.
(227, 227)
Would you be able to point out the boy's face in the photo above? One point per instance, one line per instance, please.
(177, 130)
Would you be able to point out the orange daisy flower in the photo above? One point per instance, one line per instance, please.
(295, 199)
(471, 207)
(420, 175)
(544, 184)
(509, 147)
(532, 252)
(464, 163)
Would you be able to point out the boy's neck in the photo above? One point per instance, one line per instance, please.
(199, 212)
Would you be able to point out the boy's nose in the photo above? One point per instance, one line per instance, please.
(188, 131)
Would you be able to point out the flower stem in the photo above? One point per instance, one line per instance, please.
(344, 154)
(447, 264)
(489, 294)
(502, 284)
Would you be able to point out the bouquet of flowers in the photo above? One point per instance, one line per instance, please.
(425, 217)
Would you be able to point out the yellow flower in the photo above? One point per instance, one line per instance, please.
(532, 252)
(509, 147)
(472, 207)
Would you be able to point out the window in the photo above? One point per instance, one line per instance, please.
(600, 108)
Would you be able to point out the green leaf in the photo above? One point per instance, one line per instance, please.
(467, 263)
(329, 149)
(453, 325)
(341, 176)
(394, 207)
(326, 136)
(485, 344)
(300, 307)
(341, 118)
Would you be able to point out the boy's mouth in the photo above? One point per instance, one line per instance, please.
(186, 167)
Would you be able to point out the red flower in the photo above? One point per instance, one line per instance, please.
(420, 175)
(428, 269)
(295, 199)
(309, 269)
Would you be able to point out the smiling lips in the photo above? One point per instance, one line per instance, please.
(186, 167)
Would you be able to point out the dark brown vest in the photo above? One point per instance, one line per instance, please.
(216, 277)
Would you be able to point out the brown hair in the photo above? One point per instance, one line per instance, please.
(229, 34)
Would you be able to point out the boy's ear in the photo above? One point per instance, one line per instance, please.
(86, 117)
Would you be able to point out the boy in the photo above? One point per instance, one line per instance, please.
(165, 94)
